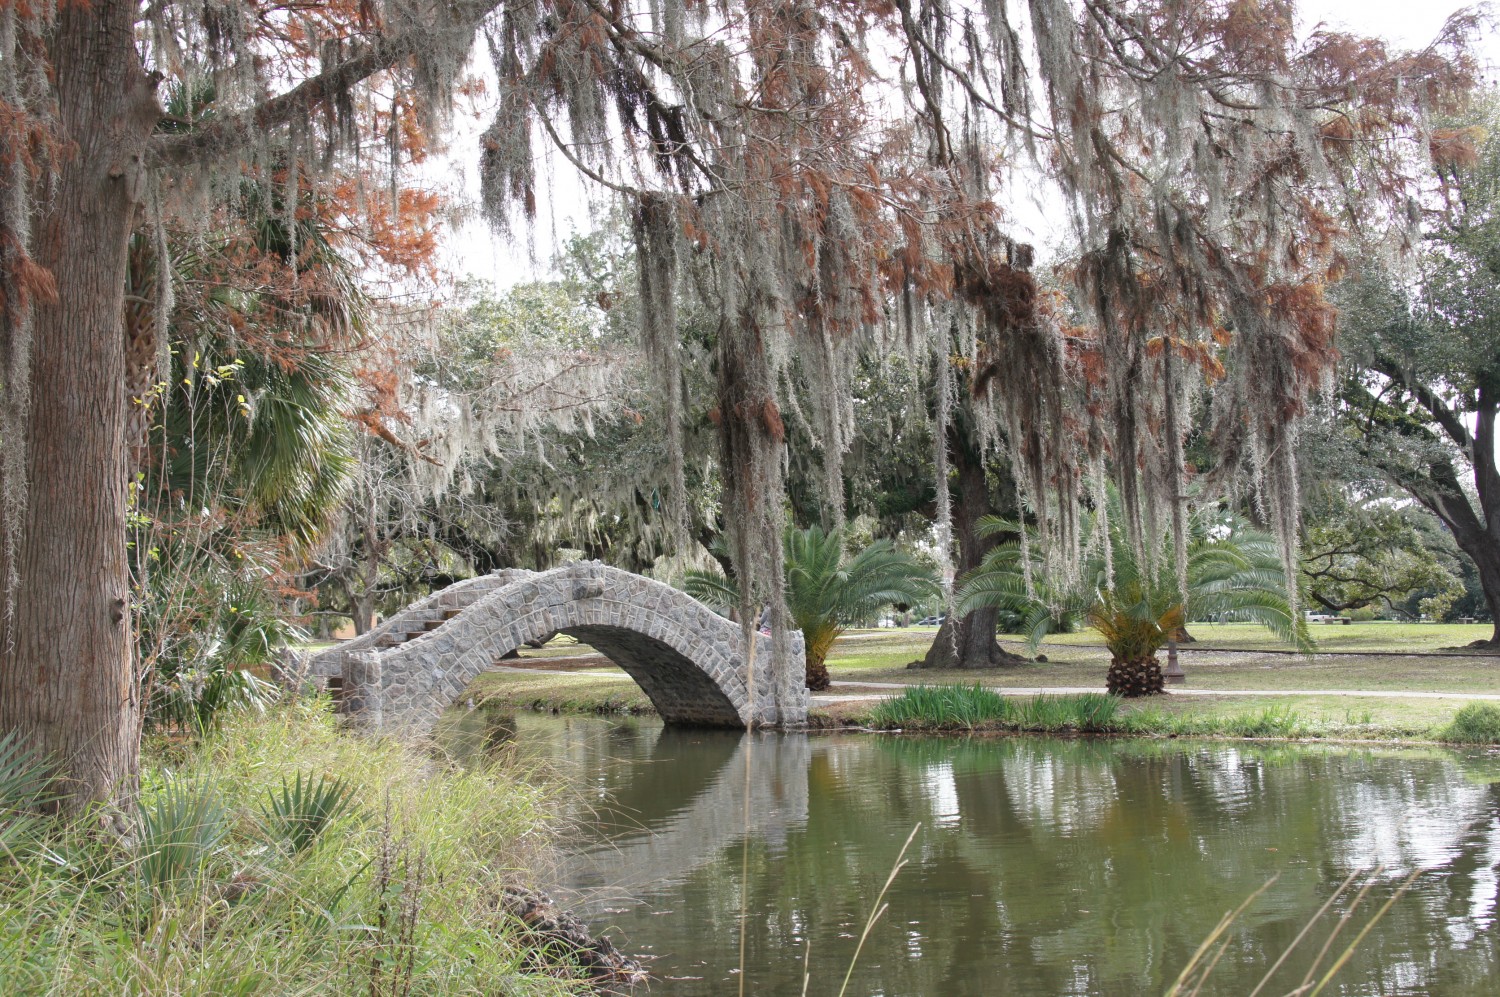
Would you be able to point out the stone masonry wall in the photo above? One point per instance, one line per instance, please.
(329, 662)
(689, 660)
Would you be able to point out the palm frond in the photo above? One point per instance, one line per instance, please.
(712, 589)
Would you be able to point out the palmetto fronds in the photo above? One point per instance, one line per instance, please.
(827, 590)
(1135, 599)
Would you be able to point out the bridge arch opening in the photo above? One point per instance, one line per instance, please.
(676, 686)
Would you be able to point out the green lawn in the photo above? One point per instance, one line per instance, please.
(593, 685)
(1361, 637)
(1298, 717)
(561, 692)
(1375, 636)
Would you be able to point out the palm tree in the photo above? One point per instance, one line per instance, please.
(242, 453)
(1134, 599)
(827, 590)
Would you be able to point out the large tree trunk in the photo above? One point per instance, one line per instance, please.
(1486, 555)
(1484, 546)
(67, 678)
(1476, 532)
(362, 614)
(968, 642)
(1439, 489)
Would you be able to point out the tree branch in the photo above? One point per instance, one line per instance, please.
(1445, 417)
(227, 135)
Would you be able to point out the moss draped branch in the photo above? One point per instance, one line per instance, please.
(226, 135)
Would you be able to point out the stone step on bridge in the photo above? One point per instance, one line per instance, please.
(690, 661)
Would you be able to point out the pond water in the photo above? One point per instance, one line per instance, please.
(1041, 867)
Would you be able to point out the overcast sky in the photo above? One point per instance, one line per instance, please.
(473, 250)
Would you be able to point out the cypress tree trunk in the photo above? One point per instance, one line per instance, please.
(362, 614)
(968, 642)
(67, 677)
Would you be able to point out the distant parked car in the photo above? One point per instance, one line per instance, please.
(931, 621)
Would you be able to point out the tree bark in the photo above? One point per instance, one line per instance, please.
(362, 614)
(68, 683)
(1475, 531)
(969, 642)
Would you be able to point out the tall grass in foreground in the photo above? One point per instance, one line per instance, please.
(277, 856)
(1335, 952)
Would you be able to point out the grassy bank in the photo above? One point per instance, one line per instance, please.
(973, 708)
(277, 856)
(545, 691)
(605, 690)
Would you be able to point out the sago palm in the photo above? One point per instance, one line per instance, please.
(827, 590)
(1232, 569)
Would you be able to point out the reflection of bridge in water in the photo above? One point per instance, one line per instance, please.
(646, 846)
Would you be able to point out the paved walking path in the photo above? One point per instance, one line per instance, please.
(842, 690)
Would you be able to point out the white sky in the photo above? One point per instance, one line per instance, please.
(471, 249)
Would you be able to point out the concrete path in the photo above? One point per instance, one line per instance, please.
(843, 690)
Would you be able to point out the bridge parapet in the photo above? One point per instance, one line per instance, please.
(690, 661)
(421, 616)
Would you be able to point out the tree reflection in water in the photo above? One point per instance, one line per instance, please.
(1044, 866)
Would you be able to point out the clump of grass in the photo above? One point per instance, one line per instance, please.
(1150, 720)
(1477, 723)
(1270, 722)
(1089, 712)
(212, 894)
(963, 707)
(941, 707)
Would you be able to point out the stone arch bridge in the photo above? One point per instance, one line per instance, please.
(690, 661)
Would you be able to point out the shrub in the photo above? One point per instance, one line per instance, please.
(176, 834)
(1477, 723)
(299, 813)
(24, 779)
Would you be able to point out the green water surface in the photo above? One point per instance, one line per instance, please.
(1041, 866)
